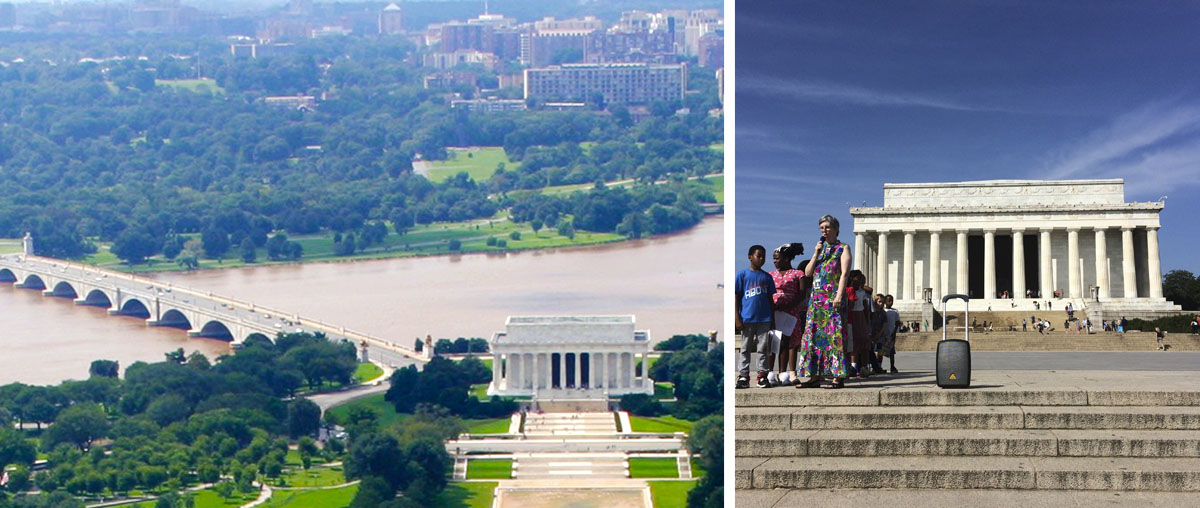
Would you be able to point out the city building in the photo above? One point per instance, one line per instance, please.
(488, 105)
(569, 357)
(627, 83)
(1010, 243)
(712, 50)
(463, 56)
(391, 20)
(656, 46)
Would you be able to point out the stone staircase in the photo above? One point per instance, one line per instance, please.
(1056, 340)
(549, 466)
(1015, 431)
(539, 425)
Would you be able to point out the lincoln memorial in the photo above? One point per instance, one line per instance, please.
(1021, 239)
(569, 357)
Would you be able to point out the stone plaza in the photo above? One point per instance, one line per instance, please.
(1010, 243)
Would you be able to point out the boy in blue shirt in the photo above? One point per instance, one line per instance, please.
(752, 291)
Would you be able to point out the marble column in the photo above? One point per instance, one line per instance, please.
(907, 268)
(1018, 259)
(1074, 286)
(497, 365)
(1102, 262)
(989, 264)
(935, 264)
(859, 241)
(1153, 263)
(632, 370)
(562, 371)
(960, 261)
(1127, 266)
(578, 370)
(1045, 275)
(603, 370)
(881, 265)
(537, 372)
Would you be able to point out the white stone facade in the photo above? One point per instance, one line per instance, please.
(569, 357)
(985, 238)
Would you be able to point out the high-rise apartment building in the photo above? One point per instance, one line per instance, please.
(626, 83)
(391, 20)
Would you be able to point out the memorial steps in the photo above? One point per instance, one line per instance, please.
(549, 466)
(1005, 433)
(1055, 340)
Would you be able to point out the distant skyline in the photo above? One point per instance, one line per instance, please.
(839, 98)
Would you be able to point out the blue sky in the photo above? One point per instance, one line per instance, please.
(836, 98)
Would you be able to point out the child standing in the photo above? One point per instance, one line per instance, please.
(753, 290)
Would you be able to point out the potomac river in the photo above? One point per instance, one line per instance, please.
(669, 283)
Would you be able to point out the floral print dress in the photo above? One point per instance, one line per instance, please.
(822, 344)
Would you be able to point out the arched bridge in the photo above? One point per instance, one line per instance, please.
(202, 314)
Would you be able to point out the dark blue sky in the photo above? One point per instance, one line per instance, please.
(836, 98)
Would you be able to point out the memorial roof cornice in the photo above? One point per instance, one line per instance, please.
(942, 210)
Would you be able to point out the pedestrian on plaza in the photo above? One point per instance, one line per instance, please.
(1122, 325)
(753, 290)
(1160, 335)
(1023, 327)
(878, 322)
(822, 345)
(791, 305)
(1196, 326)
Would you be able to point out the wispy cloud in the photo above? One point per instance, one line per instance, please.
(1154, 148)
(847, 94)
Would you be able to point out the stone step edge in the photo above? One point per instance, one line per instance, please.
(782, 396)
(998, 473)
(796, 443)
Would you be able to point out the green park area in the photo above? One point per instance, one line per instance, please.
(10, 245)
(664, 424)
(366, 372)
(670, 494)
(202, 85)
(479, 162)
(653, 468)
(386, 415)
(489, 469)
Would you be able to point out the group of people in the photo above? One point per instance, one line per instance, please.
(814, 322)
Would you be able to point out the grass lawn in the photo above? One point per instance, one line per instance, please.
(659, 424)
(697, 469)
(202, 85)
(490, 426)
(489, 469)
(314, 477)
(209, 499)
(479, 391)
(653, 468)
(308, 498)
(386, 411)
(663, 391)
(367, 371)
(670, 494)
(717, 185)
(478, 161)
(10, 246)
(466, 495)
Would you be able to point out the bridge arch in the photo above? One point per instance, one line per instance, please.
(98, 298)
(7, 275)
(65, 289)
(135, 307)
(174, 319)
(32, 281)
(215, 330)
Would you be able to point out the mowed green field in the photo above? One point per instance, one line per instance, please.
(478, 161)
(9, 246)
(653, 468)
(489, 469)
(668, 494)
(202, 85)
(308, 498)
(467, 495)
(659, 424)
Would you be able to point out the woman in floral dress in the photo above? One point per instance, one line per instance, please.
(822, 344)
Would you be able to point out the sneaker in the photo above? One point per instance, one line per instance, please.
(773, 379)
(894, 371)
(742, 382)
(762, 381)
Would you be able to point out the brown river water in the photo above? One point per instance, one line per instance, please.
(669, 283)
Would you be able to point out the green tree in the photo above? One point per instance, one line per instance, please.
(216, 242)
(134, 246)
(78, 425)
(1181, 287)
(248, 253)
(104, 368)
(304, 418)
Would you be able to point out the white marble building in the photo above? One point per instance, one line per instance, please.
(1015, 237)
(569, 357)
